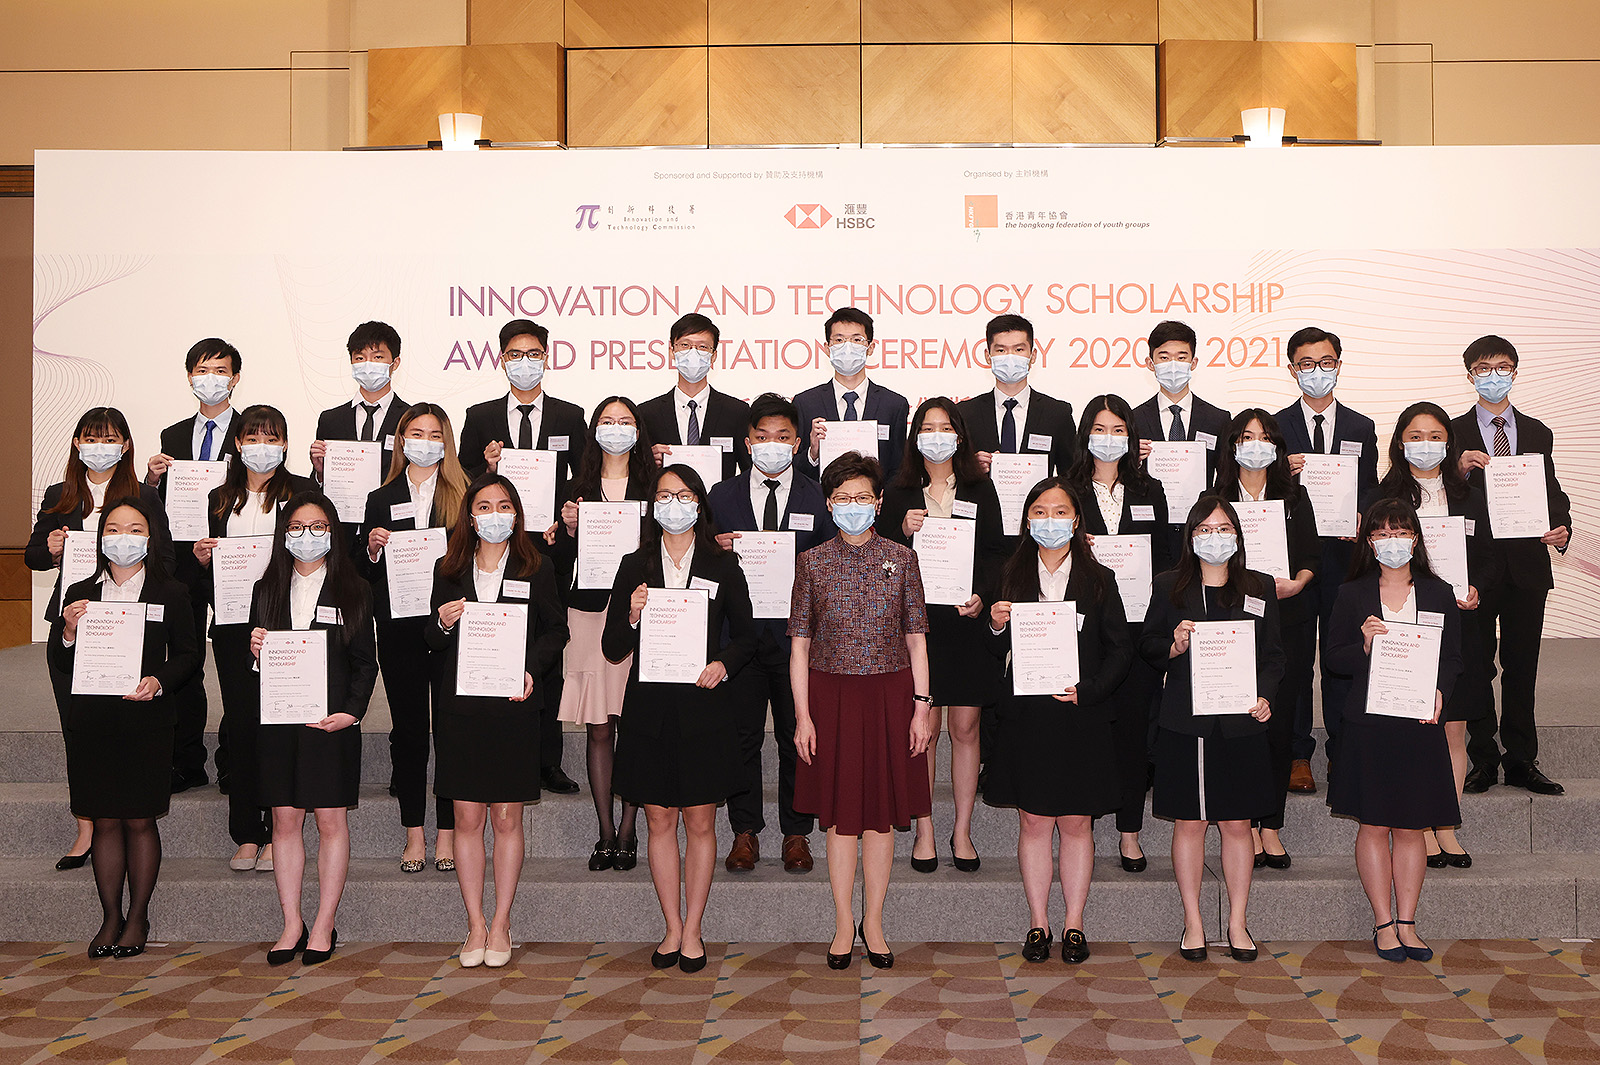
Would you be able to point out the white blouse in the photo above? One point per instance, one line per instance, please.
(677, 576)
(1407, 611)
(1053, 586)
(1435, 504)
(304, 590)
(487, 582)
(422, 499)
(252, 520)
(1110, 499)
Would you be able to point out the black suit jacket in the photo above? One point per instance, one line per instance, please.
(352, 666)
(380, 516)
(730, 639)
(881, 405)
(486, 423)
(177, 441)
(171, 651)
(37, 553)
(1348, 427)
(218, 526)
(565, 550)
(725, 416)
(990, 548)
(1047, 417)
(1305, 552)
(1484, 563)
(1152, 418)
(546, 637)
(1150, 495)
(1359, 600)
(1524, 563)
(342, 423)
(732, 511)
(1177, 694)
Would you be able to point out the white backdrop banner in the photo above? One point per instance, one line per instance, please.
(1406, 253)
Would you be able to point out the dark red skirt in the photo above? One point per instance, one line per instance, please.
(863, 777)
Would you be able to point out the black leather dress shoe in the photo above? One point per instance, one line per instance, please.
(74, 861)
(1480, 780)
(284, 957)
(554, 780)
(1134, 865)
(1243, 953)
(663, 959)
(604, 856)
(965, 865)
(625, 855)
(1277, 861)
(1437, 860)
(1528, 776)
(1261, 859)
(1074, 947)
(317, 957)
(1192, 953)
(879, 961)
(182, 781)
(1456, 859)
(687, 964)
(1037, 946)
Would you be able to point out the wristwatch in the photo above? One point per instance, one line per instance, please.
(922, 699)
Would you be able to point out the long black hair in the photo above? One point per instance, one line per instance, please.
(1398, 483)
(1280, 482)
(1130, 471)
(913, 472)
(1395, 514)
(1019, 577)
(233, 493)
(155, 569)
(705, 530)
(350, 592)
(641, 464)
(1241, 581)
(124, 481)
(523, 560)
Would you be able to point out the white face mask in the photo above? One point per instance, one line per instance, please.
(526, 373)
(125, 549)
(616, 439)
(100, 457)
(772, 457)
(1107, 447)
(372, 376)
(495, 527)
(1009, 368)
(848, 357)
(1425, 454)
(210, 388)
(1173, 376)
(261, 458)
(936, 446)
(423, 453)
(1255, 454)
(693, 364)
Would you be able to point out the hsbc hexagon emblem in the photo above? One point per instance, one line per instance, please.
(808, 216)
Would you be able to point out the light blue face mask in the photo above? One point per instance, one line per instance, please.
(1317, 382)
(1051, 532)
(693, 364)
(100, 457)
(495, 527)
(1425, 454)
(854, 518)
(1173, 376)
(526, 373)
(423, 453)
(261, 458)
(615, 438)
(1009, 368)
(125, 549)
(772, 457)
(309, 546)
(372, 376)
(847, 357)
(676, 516)
(1216, 548)
(1107, 447)
(1495, 386)
(1255, 454)
(1394, 551)
(936, 447)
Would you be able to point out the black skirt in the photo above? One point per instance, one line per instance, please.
(1395, 773)
(1473, 695)
(486, 758)
(1218, 778)
(961, 671)
(1051, 759)
(672, 768)
(307, 768)
(119, 756)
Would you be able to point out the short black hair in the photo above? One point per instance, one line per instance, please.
(848, 467)
(211, 348)
(368, 334)
(772, 405)
(1008, 323)
(1167, 332)
(523, 327)
(1487, 348)
(1313, 335)
(692, 323)
(853, 315)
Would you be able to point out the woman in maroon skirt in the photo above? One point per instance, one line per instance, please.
(859, 667)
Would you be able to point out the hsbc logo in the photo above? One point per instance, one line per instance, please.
(808, 216)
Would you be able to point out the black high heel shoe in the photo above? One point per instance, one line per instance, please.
(1278, 861)
(1455, 859)
(1261, 859)
(879, 961)
(924, 865)
(602, 857)
(626, 854)
(133, 950)
(106, 950)
(317, 957)
(964, 865)
(73, 861)
(284, 957)
(842, 961)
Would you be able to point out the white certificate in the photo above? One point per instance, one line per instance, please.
(79, 559)
(606, 532)
(1181, 469)
(1129, 558)
(1446, 541)
(351, 469)
(1519, 505)
(672, 635)
(108, 656)
(492, 655)
(767, 559)
(189, 485)
(408, 560)
(1013, 476)
(844, 437)
(1044, 648)
(534, 474)
(1331, 482)
(1404, 675)
(945, 548)
(237, 562)
(294, 676)
(1222, 667)
(1266, 537)
(704, 459)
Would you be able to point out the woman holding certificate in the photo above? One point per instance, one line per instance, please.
(1058, 763)
(942, 505)
(311, 633)
(497, 625)
(125, 640)
(1424, 471)
(243, 513)
(858, 662)
(672, 603)
(615, 467)
(420, 502)
(1280, 535)
(1396, 630)
(100, 463)
(1213, 630)
(1122, 500)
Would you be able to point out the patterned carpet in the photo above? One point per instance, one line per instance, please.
(1479, 1002)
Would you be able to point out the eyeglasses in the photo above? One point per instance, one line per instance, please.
(1207, 530)
(863, 498)
(1391, 534)
(1307, 365)
(297, 529)
(691, 347)
(513, 354)
(684, 496)
(1485, 371)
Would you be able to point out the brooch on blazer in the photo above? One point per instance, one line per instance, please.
(889, 566)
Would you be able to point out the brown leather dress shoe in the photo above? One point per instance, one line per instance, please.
(1300, 778)
(796, 854)
(744, 853)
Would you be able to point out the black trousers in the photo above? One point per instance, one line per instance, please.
(1335, 686)
(1299, 640)
(248, 822)
(1130, 735)
(1520, 612)
(766, 680)
(403, 660)
(550, 741)
(189, 701)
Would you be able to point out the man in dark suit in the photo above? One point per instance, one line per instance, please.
(851, 397)
(212, 367)
(694, 413)
(374, 414)
(1517, 599)
(526, 418)
(1317, 423)
(1012, 417)
(772, 497)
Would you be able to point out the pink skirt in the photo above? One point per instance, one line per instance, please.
(863, 776)
(593, 688)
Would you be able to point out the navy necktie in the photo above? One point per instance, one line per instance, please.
(1176, 431)
(205, 441)
(694, 425)
(850, 414)
(1008, 428)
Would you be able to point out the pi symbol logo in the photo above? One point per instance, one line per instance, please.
(588, 212)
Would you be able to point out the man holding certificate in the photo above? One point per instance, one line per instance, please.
(851, 397)
(1013, 418)
(673, 601)
(694, 413)
(1213, 629)
(371, 418)
(1396, 631)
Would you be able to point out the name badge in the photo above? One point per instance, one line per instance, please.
(514, 589)
(1080, 621)
(644, 509)
(801, 522)
(1472, 527)
(1350, 447)
(388, 442)
(1207, 439)
(558, 443)
(1040, 441)
(1431, 619)
(1143, 513)
(710, 587)
(1255, 606)
(328, 615)
(155, 611)
(724, 442)
(403, 512)
(964, 508)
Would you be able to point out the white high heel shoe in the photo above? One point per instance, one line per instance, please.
(496, 959)
(471, 959)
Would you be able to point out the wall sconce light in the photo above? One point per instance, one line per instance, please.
(459, 131)
(1264, 126)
